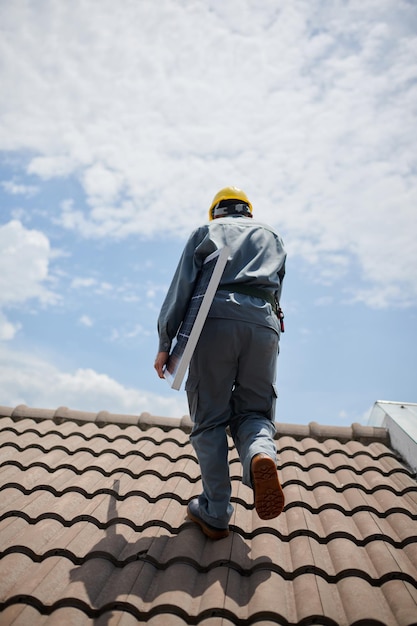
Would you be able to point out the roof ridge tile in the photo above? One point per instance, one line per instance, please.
(145, 421)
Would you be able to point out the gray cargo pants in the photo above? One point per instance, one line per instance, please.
(231, 382)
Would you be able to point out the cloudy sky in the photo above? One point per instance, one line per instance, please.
(119, 121)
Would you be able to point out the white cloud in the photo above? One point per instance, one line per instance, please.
(81, 283)
(24, 265)
(25, 379)
(8, 330)
(85, 320)
(24, 272)
(308, 106)
(102, 184)
(101, 287)
(125, 291)
(129, 333)
(14, 188)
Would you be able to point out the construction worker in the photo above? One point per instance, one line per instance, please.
(231, 379)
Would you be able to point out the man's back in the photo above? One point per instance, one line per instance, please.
(257, 258)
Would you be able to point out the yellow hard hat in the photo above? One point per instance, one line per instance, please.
(229, 193)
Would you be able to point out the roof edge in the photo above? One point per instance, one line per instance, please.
(144, 421)
(399, 418)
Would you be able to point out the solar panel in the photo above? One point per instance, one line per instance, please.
(192, 325)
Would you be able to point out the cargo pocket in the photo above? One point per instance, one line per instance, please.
(191, 388)
(273, 401)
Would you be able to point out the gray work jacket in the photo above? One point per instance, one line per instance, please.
(257, 257)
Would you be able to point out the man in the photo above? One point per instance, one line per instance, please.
(231, 380)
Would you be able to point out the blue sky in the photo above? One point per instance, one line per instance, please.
(118, 124)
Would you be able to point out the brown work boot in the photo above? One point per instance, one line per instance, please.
(213, 532)
(269, 497)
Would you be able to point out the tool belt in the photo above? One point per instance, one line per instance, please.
(256, 292)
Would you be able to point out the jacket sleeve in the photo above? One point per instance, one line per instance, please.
(281, 271)
(180, 291)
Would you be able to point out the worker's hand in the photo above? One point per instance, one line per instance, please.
(160, 361)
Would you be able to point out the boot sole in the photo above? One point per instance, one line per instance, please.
(269, 497)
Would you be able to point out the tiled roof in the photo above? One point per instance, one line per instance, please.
(93, 528)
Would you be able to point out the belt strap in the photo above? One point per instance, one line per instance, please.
(255, 292)
(249, 290)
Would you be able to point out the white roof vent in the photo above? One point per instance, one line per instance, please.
(400, 419)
